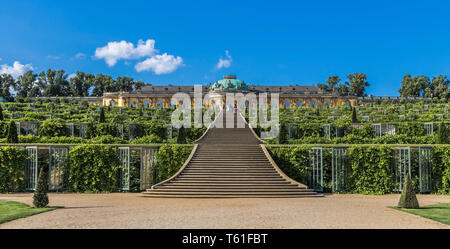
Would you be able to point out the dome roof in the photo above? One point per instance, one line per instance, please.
(229, 83)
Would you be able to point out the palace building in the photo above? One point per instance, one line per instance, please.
(289, 96)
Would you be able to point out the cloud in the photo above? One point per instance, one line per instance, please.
(71, 76)
(224, 63)
(115, 51)
(16, 70)
(160, 64)
(80, 56)
(54, 57)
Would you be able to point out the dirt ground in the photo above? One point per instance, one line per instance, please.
(129, 210)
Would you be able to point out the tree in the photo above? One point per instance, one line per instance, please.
(181, 139)
(443, 134)
(80, 84)
(40, 197)
(415, 86)
(54, 83)
(343, 89)
(357, 83)
(283, 134)
(102, 116)
(6, 83)
(354, 117)
(12, 133)
(439, 87)
(26, 85)
(408, 198)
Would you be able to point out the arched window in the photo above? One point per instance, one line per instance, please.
(112, 103)
(313, 104)
(327, 104)
(133, 103)
(299, 104)
(347, 103)
(146, 104)
(159, 104)
(287, 105)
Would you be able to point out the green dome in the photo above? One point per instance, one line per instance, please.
(229, 83)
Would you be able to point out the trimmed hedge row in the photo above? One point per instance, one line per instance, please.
(90, 168)
(369, 169)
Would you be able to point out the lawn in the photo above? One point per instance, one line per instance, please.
(11, 210)
(438, 212)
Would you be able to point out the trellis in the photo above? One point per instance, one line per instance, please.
(83, 128)
(425, 169)
(402, 165)
(169, 131)
(31, 168)
(148, 161)
(58, 157)
(390, 129)
(377, 129)
(124, 172)
(428, 127)
(292, 131)
(18, 128)
(338, 168)
(31, 128)
(120, 132)
(70, 129)
(316, 168)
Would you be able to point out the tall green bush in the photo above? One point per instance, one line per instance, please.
(52, 128)
(170, 158)
(12, 163)
(12, 133)
(40, 197)
(92, 168)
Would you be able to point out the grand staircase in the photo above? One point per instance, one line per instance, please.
(229, 162)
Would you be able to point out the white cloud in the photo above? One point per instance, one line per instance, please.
(224, 63)
(115, 51)
(71, 76)
(54, 57)
(160, 64)
(16, 70)
(80, 56)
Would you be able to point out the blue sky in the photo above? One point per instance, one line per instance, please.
(268, 42)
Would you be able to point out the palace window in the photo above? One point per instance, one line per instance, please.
(133, 103)
(287, 105)
(299, 104)
(146, 104)
(112, 103)
(327, 104)
(313, 104)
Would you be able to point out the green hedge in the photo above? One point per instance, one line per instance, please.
(369, 169)
(12, 163)
(92, 168)
(170, 159)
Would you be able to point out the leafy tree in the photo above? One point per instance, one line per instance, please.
(408, 198)
(6, 83)
(40, 197)
(26, 86)
(331, 83)
(357, 83)
(81, 83)
(54, 83)
(439, 87)
(12, 133)
(343, 89)
(414, 86)
(125, 84)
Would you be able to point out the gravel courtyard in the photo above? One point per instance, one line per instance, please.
(129, 210)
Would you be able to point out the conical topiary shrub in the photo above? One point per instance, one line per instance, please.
(12, 133)
(40, 197)
(283, 136)
(354, 117)
(102, 116)
(181, 139)
(408, 198)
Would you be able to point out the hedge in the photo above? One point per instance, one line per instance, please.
(369, 169)
(92, 168)
(170, 158)
(12, 164)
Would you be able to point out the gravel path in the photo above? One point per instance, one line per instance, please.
(129, 210)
